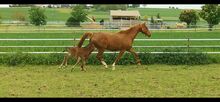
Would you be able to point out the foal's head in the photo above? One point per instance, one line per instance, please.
(145, 30)
(72, 51)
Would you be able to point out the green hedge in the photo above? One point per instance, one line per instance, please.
(127, 59)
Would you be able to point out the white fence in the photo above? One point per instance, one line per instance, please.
(187, 46)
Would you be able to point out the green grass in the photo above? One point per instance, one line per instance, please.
(167, 14)
(125, 81)
(53, 14)
(61, 14)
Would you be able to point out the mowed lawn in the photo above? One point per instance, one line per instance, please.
(125, 81)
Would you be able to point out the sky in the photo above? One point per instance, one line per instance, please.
(180, 6)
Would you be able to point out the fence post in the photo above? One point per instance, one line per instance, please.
(188, 48)
(195, 27)
(74, 41)
(188, 45)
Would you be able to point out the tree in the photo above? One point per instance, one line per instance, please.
(78, 14)
(37, 16)
(189, 16)
(211, 14)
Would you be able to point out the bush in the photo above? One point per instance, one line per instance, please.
(127, 59)
(37, 16)
(71, 22)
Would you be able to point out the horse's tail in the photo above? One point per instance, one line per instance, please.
(86, 35)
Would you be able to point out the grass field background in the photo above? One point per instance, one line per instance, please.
(125, 81)
(62, 14)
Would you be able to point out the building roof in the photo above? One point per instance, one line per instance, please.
(124, 13)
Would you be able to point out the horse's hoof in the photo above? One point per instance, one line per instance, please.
(139, 64)
(113, 67)
(106, 66)
(84, 70)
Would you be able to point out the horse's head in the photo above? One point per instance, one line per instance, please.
(145, 30)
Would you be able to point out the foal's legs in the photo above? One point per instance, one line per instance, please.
(64, 61)
(78, 59)
(99, 56)
(135, 55)
(117, 59)
(82, 65)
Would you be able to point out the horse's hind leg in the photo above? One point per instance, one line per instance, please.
(82, 65)
(135, 55)
(64, 61)
(78, 59)
(99, 56)
(117, 59)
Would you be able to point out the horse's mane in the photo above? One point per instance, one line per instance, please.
(127, 31)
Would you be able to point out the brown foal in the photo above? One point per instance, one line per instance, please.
(79, 54)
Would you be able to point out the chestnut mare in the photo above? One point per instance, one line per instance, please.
(120, 41)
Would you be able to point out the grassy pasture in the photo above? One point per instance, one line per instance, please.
(61, 14)
(125, 81)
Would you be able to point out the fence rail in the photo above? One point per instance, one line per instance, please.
(60, 39)
(111, 52)
(133, 46)
(82, 29)
(66, 39)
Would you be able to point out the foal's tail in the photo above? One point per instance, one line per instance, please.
(66, 49)
(86, 35)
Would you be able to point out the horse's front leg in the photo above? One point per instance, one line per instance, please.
(99, 56)
(135, 55)
(117, 59)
